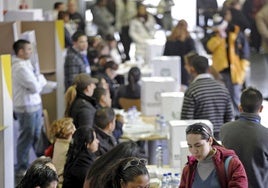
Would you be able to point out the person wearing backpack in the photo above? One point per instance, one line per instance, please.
(210, 164)
(229, 58)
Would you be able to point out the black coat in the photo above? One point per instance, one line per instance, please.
(180, 48)
(83, 111)
(107, 142)
(75, 172)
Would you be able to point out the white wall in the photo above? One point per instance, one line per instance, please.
(45, 4)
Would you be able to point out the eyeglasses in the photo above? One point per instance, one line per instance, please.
(135, 162)
(199, 129)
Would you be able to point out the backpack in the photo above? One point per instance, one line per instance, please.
(205, 40)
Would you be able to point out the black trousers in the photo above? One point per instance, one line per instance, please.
(126, 40)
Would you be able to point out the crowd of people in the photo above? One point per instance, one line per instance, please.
(85, 148)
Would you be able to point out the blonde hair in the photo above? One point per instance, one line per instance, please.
(62, 128)
(70, 95)
(179, 32)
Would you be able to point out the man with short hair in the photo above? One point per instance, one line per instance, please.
(205, 97)
(104, 126)
(75, 16)
(76, 60)
(249, 139)
(27, 103)
(57, 7)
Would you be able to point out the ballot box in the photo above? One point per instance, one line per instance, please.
(154, 48)
(151, 89)
(171, 105)
(167, 66)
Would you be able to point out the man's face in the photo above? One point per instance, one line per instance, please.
(26, 52)
(81, 44)
(72, 7)
(61, 7)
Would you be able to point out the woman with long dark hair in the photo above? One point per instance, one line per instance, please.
(80, 157)
(125, 173)
(121, 151)
(211, 165)
(132, 90)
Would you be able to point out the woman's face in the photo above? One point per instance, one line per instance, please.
(93, 146)
(104, 84)
(52, 184)
(142, 181)
(106, 99)
(199, 147)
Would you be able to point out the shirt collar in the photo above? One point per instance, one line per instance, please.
(250, 117)
(201, 76)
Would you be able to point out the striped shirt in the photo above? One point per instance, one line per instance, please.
(207, 98)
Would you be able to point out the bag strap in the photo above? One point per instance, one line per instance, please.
(226, 164)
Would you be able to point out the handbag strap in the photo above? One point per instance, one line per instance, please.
(226, 164)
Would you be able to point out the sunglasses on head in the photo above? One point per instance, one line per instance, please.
(197, 129)
(135, 162)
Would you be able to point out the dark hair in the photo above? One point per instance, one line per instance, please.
(251, 100)
(81, 137)
(110, 64)
(42, 160)
(99, 77)
(118, 173)
(109, 37)
(188, 58)
(57, 5)
(77, 35)
(122, 150)
(98, 92)
(203, 130)
(200, 64)
(103, 117)
(134, 76)
(38, 174)
(62, 14)
(19, 44)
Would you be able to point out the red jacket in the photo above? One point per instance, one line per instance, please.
(236, 173)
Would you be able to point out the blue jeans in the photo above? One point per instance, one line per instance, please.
(234, 90)
(29, 132)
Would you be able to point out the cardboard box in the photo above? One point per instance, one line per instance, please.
(167, 66)
(151, 89)
(154, 48)
(176, 135)
(171, 105)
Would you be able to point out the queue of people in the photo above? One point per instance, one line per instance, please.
(86, 149)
